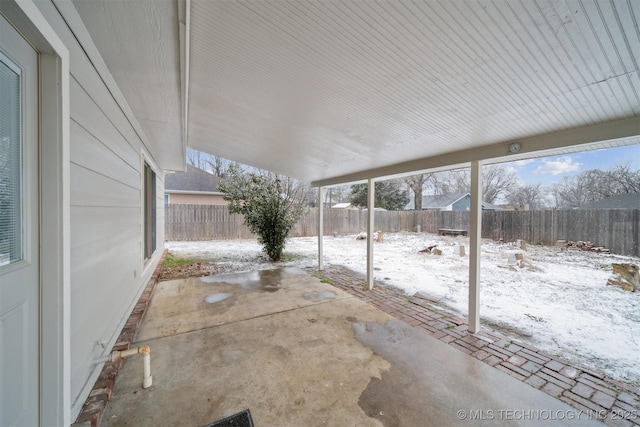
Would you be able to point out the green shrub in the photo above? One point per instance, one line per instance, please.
(271, 205)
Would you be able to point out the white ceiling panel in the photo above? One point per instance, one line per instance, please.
(138, 40)
(332, 90)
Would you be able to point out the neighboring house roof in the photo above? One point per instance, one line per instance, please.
(441, 201)
(436, 201)
(194, 180)
(489, 207)
(621, 201)
(341, 205)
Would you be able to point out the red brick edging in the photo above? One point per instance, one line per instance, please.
(96, 403)
(612, 402)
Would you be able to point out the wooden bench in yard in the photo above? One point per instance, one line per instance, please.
(452, 232)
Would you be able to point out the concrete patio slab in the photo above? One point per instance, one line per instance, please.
(185, 305)
(303, 353)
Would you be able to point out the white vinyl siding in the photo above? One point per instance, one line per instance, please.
(108, 270)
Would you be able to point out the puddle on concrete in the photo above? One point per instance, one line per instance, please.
(214, 298)
(391, 398)
(256, 281)
(324, 295)
(445, 379)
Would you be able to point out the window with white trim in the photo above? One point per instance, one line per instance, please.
(149, 211)
(11, 224)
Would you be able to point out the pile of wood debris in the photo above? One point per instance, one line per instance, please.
(431, 250)
(587, 246)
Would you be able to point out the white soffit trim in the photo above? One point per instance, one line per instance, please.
(184, 17)
(79, 30)
(139, 41)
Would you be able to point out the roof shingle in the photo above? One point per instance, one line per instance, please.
(193, 179)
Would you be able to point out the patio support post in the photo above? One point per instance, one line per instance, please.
(371, 188)
(475, 233)
(320, 226)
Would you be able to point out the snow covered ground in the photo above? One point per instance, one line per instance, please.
(558, 302)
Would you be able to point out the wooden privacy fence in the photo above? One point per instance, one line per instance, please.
(616, 229)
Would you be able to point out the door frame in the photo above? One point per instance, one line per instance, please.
(54, 188)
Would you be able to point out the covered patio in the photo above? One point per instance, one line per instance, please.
(343, 92)
(108, 95)
(297, 351)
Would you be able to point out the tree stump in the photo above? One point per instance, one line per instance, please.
(626, 276)
(428, 249)
(516, 258)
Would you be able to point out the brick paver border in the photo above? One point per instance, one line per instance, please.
(613, 402)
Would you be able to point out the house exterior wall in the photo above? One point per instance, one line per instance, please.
(196, 199)
(462, 204)
(108, 271)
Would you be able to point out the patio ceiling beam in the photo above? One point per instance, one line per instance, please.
(604, 135)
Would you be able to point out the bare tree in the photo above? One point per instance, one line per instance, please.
(595, 184)
(217, 165)
(571, 192)
(532, 195)
(309, 194)
(621, 180)
(205, 161)
(416, 184)
(195, 158)
(497, 180)
(338, 194)
(451, 182)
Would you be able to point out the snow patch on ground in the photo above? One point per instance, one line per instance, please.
(558, 302)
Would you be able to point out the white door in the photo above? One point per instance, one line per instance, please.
(19, 234)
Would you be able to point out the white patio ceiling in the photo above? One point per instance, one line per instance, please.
(336, 91)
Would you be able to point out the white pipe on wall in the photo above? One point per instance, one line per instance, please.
(144, 350)
(147, 379)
